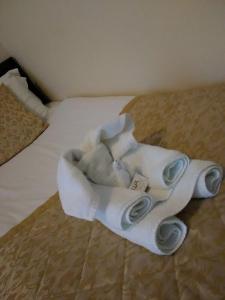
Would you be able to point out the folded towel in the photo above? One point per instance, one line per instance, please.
(209, 180)
(123, 207)
(117, 135)
(99, 166)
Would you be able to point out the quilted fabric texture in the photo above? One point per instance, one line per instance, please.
(54, 256)
(18, 126)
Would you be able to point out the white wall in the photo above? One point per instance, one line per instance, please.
(111, 47)
(3, 53)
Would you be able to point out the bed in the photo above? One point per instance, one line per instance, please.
(48, 255)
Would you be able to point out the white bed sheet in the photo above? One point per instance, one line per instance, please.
(29, 179)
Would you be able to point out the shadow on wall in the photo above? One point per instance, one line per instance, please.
(3, 53)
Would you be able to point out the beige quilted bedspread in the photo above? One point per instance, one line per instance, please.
(53, 256)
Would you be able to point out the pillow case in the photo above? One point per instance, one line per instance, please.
(18, 85)
(9, 64)
(19, 127)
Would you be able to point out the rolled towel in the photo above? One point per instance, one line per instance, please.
(209, 180)
(170, 235)
(162, 167)
(162, 237)
(123, 207)
(194, 183)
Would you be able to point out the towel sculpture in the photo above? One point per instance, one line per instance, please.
(133, 189)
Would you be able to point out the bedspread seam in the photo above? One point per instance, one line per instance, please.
(18, 250)
(84, 263)
(124, 269)
(218, 212)
(176, 277)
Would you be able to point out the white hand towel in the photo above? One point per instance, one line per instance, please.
(123, 207)
(209, 181)
(162, 167)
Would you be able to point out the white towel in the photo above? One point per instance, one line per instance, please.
(208, 183)
(162, 167)
(117, 135)
(123, 207)
(99, 166)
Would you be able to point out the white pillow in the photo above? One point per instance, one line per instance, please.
(18, 85)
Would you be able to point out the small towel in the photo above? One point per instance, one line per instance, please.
(209, 181)
(162, 238)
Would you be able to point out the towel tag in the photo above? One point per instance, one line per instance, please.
(139, 183)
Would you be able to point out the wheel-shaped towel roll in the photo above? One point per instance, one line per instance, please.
(170, 235)
(162, 167)
(123, 207)
(209, 180)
